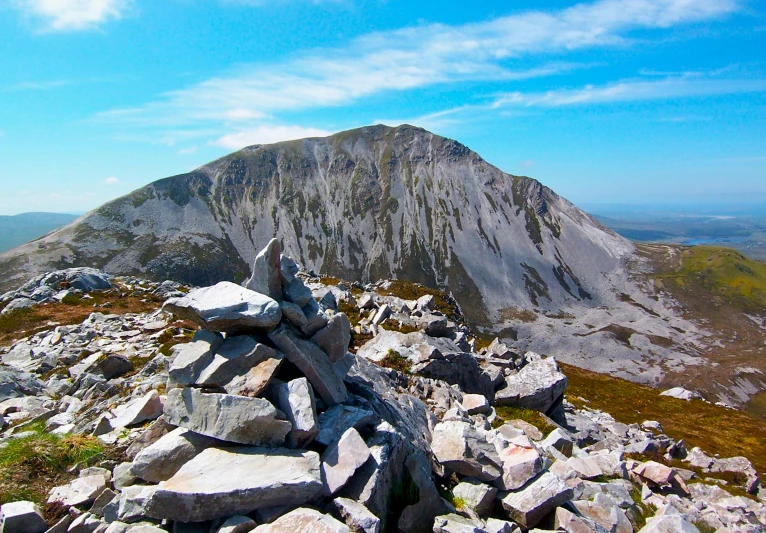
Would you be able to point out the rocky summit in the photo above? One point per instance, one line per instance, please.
(303, 406)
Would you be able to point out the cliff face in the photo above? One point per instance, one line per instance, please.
(366, 204)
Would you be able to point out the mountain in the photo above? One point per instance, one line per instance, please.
(381, 202)
(18, 229)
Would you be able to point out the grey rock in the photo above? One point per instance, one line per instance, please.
(78, 492)
(296, 292)
(87, 523)
(328, 301)
(341, 460)
(192, 357)
(383, 313)
(18, 303)
(103, 499)
(223, 416)
(358, 518)
(604, 512)
(288, 268)
(296, 400)
(303, 521)
(161, 460)
(366, 301)
(134, 501)
(337, 419)
(454, 523)
(237, 524)
(313, 362)
(254, 381)
(221, 482)
(568, 521)
(461, 369)
(266, 278)
(227, 307)
(477, 496)
(531, 503)
(335, 337)
(538, 385)
(316, 319)
(474, 404)
(560, 440)
(111, 366)
(22, 517)
(521, 462)
(123, 475)
(17, 384)
(147, 407)
(419, 516)
(463, 449)
(294, 314)
(235, 357)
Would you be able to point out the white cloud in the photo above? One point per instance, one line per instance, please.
(187, 151)
(690, 85)
(72, 15)
(111, 181)
(267, 135)
(498, 49)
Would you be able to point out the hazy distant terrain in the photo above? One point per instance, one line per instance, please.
(743, 231)
(18, 229)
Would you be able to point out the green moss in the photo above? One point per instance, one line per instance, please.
(537, 419)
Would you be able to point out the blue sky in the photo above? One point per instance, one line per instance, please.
(606, 102)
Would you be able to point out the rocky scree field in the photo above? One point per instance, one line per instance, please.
(296, 403)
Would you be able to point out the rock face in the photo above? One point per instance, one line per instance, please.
(538, 386)
(228, 308)
(229, 481)
(226, 417)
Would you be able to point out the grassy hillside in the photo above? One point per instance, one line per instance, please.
(723, 273)
(714, 429)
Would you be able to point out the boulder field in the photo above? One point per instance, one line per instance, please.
(273, 418)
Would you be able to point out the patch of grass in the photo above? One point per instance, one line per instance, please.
(703, 526)
(25, 322)
(396, 361)
(644, 510)
(412, 291)
(715, 429)
(509, 412)
(31, 466)
(518, 314)
(401, 327)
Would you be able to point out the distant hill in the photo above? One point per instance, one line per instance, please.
(18, 229)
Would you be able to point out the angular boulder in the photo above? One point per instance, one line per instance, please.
(303, 521)
(22, 517)
(267, 278)
(358, 518)
(341, 460)
(192, 357)
(476, 496)
(161, 460)
(235, 357)
(538, 386)
(230, 418)
(313, 362)
(227, 307)
(338, 418)
(463, 449)
(296, 400)
(222, 482)
(253, 382)
(531, 503)
(521, 462)
(335, 337)
(147, 407)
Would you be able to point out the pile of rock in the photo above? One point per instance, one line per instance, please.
(264, 421)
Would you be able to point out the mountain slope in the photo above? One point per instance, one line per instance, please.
(380, 202)
(18, 229)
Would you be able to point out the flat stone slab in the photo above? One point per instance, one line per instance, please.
(222, 482)
(342, 459)
(223, 416)
(536, 386)
(303, 521)
(530, 504)
(227, 307)
(22, 517)
(165, 457)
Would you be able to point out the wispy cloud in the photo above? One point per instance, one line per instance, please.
(267, 135)
(72, 15)
(518, 46)
(111, 181)
(691, 85)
